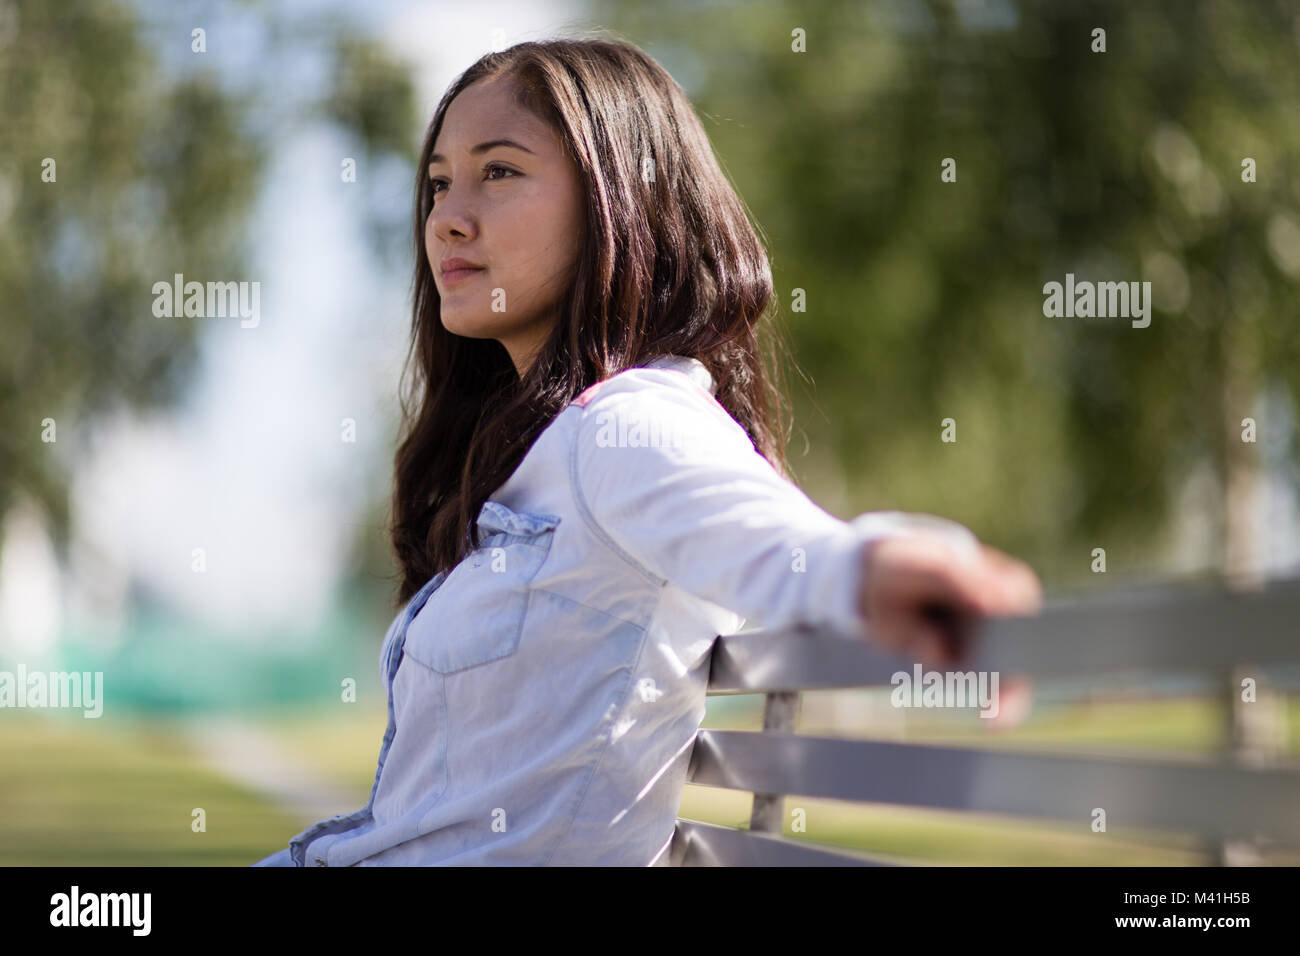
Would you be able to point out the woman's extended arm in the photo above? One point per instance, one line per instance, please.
(669, 480)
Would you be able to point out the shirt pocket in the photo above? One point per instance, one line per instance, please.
(477, 614)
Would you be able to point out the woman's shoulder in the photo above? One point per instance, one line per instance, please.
(670, 381)
(682, 369)
(657, 406)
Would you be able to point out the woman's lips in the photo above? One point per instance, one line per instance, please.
(455, 275)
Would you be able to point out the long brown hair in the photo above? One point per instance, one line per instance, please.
(670, 264)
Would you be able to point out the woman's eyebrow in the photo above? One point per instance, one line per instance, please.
(482, 148)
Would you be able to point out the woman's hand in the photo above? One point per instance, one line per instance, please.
(921, 594)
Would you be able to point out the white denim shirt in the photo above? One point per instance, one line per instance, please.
(544, 695)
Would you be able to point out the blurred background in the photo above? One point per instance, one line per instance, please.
(195, 507)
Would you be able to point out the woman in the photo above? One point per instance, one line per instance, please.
(587, 308)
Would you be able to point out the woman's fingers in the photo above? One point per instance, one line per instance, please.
(923, 568)
(1017, 588)
(924, 595)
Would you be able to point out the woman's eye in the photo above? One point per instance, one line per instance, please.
(493, 168)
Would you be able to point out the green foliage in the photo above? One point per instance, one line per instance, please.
(158, 162)
(924, 298)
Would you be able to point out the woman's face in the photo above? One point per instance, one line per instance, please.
(515, 211)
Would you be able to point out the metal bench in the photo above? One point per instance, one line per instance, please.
(1246, 792)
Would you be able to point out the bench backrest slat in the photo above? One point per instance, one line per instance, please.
(1235, 800)
(1191, 632)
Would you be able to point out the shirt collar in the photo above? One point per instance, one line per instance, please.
(692, 367)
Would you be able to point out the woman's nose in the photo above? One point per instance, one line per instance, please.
(452, 216)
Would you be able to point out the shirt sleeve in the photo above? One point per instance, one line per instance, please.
(673, 484)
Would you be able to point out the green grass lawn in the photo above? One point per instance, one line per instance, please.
(86, 792)
(83, 792)
(341, 742)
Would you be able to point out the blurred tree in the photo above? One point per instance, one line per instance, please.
(925, 298)
(126, 158)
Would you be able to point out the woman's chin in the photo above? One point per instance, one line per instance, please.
(469, 326)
